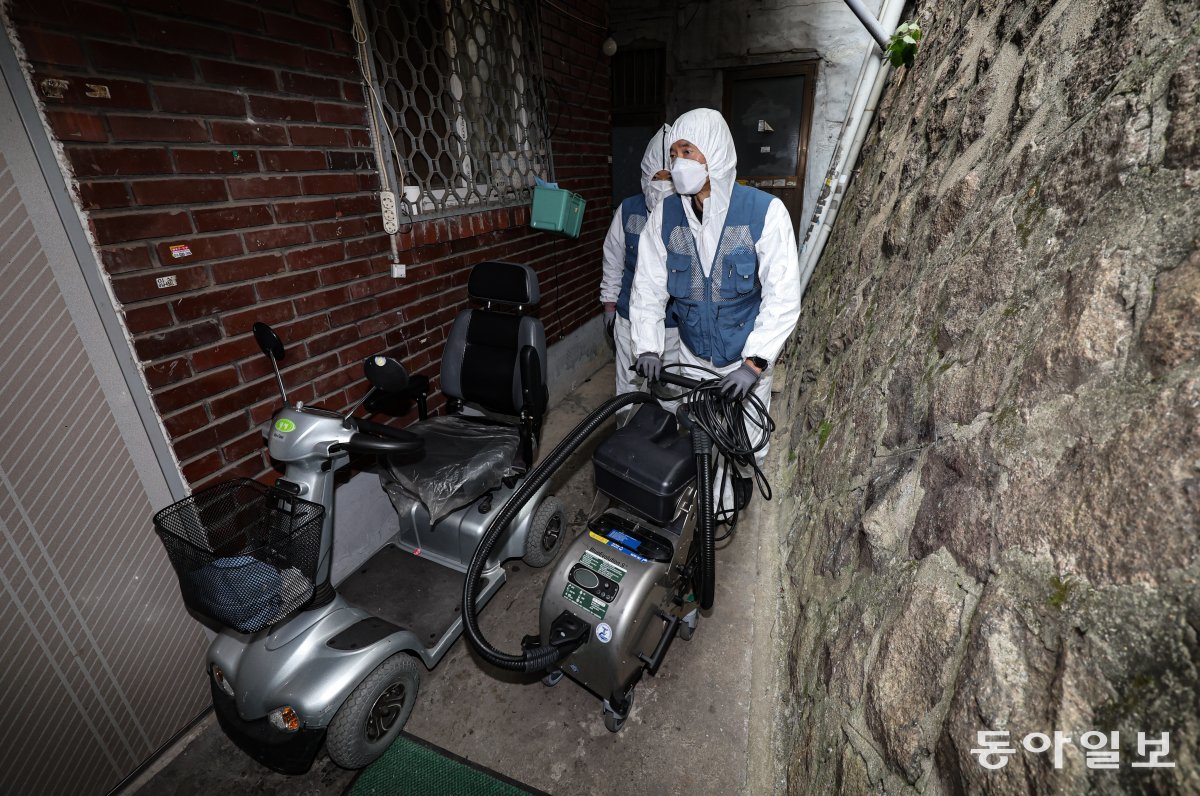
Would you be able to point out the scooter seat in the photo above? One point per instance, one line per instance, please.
(464, 458)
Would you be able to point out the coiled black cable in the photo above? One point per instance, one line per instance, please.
(730, 425)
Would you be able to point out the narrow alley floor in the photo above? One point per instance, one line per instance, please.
(690, 727)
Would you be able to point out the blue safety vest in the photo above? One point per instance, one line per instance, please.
(716, 313)
(633, 215)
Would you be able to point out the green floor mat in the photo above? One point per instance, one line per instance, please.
(412, 766)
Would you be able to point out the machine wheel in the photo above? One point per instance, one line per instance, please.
(545, 533)
(614, 721)
(374, 713)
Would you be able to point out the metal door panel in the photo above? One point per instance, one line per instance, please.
(102, 665)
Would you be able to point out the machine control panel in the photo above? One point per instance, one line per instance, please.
(594, 583)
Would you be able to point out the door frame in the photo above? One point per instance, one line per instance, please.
(114, 363)
(808, 68)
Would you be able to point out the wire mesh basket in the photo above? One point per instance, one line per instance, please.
(245, 554)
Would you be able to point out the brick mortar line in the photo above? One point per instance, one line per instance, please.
(104, 214)
(214, 233)
(131, 40)
(259, 301)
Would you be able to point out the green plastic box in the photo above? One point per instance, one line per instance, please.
(556, 210)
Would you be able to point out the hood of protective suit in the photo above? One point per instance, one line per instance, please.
(656, 158)
(707, 130)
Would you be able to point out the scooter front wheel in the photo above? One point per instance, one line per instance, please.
(374, 713)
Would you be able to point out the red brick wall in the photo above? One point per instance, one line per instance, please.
(238, 130)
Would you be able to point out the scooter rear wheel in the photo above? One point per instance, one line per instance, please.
(546, 533)
(374, 713)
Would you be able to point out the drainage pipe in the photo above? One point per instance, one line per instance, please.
(873, 26)
(863, 104)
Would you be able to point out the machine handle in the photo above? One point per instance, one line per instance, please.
(667, 377)
(664, 643)
(679, 381)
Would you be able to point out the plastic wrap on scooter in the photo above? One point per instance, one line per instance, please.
(463, 459)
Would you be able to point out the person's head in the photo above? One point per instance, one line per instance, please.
(689, 169)
(656, 168)
(703, 158)
(686, 149)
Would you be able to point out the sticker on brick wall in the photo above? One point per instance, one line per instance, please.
(166, 281)
(180, 250)
(53, 88)
(97, 91)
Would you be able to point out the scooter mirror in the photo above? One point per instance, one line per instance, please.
(385, 374)
(268, 341)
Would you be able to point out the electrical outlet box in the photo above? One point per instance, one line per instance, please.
(387, 205)
(399, 270)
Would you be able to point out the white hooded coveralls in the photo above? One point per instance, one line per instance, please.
(778, 259)
(656, 158)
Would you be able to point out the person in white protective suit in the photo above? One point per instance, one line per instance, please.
(620, 261)
(724, 255)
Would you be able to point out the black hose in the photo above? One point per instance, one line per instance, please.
(702, 445)
(539, 658)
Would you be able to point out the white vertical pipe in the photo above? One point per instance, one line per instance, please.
(873, 26)
(863, 104)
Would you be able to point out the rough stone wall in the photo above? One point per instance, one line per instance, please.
(994, 397)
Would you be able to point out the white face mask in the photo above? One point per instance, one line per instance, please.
(689, 176)
(659, 190)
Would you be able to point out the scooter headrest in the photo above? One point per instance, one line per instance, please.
(508, 283)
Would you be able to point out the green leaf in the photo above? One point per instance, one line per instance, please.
(909, 40)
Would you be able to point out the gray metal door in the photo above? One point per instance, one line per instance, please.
(101, 664)
(769, 109)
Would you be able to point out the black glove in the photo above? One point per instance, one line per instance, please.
(610, 322)
(649, 366)
(738, 383)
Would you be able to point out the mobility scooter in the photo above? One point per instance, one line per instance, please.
(298, 660)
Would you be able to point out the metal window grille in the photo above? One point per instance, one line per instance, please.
(461, 92)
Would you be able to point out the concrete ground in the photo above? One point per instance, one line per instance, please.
(693, 728)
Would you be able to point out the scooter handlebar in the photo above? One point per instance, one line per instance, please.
(380, 430)
(381, 440)
(370, 444)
